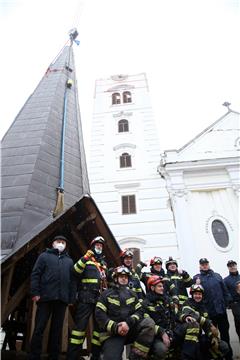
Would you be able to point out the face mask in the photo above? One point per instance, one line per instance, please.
(59, 246)
(98, 251)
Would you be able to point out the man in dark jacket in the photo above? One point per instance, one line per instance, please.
(52, 288)
(90, 272)
(216, 299)
(120, 317)
(231, 282)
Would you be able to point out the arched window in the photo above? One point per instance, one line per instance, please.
(220, 233)
(125, 160)
(116, 99)
(123, 126)
(127, 97)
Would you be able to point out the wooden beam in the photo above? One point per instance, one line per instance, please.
(15, 300)
(6, 283)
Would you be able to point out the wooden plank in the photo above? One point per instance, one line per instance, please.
(6, 283)
(15, 300)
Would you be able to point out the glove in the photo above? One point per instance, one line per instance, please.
(36, 298)
(214, 331)
(215, 344)
(88, 254)
(143, 264)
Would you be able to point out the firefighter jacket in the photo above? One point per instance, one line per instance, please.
(181, 282)
(115, 305)
(52, 277)
(161, 309)
(90, 275)
(216, 295)
(231, 282)
(198, 311)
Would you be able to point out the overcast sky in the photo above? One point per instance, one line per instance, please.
(189, 50)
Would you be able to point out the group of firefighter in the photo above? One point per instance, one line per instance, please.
(167, 318)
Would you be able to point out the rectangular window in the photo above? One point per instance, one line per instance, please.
(128, 204)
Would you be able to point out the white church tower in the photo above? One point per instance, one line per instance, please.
(124, 157)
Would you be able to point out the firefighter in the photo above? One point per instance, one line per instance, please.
(90, 271)
(156, 269)
(126, 257)
(195, 312)
(160, 308)
(121, 319)
(180, 278)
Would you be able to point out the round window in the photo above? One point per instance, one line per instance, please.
(220, 233)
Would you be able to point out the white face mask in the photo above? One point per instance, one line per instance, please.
(98, 251)
(59, 246)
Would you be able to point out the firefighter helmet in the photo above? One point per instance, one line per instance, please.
(155, 260)
(121, 270)
(170, 261)
(154, 280)
(98, 239)
(125, 253)
(196, 288)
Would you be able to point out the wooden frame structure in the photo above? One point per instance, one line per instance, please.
(79, 224)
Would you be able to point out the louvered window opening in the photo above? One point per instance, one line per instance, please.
(125, 160)
(128, 204)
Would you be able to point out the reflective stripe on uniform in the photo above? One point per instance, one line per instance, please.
(78, 333)
(109, 325)
(141, 347)
(113, 301)
(130, 300)
(89, 281)
(76, 341)
(191, 338)
(138, 305)
(79, 266)
(101, 306)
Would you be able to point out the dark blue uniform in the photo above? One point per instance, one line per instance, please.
(231, 281)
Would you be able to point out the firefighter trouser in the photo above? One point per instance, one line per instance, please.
(141, 338)
(187, 337)
(78, 333)
(44, 309)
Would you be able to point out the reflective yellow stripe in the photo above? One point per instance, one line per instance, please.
(109, 325)
(95, 333)
(202, 320)
(191, 338)
(96, 342)
(103, 336)
(78, 333)
(175, 277)
(151, 308)
(113, 301)
(186, 280)
(205, 314)
(137, 289)
(76, 341)
(193, 331)
(138, 305)
(130, 300)
(172, 286)
(182, 296)
(89, 281)
(135, 317)
(141, 347)
(101, 306)
(79, 266)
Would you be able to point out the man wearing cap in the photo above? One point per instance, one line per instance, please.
(90, 272)
(231, 282)
(216, 299)
(52, 288)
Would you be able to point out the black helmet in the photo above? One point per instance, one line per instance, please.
(98, 239)
(170, 261)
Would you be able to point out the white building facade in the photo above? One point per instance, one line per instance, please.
(124, 157)
(203, 182)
